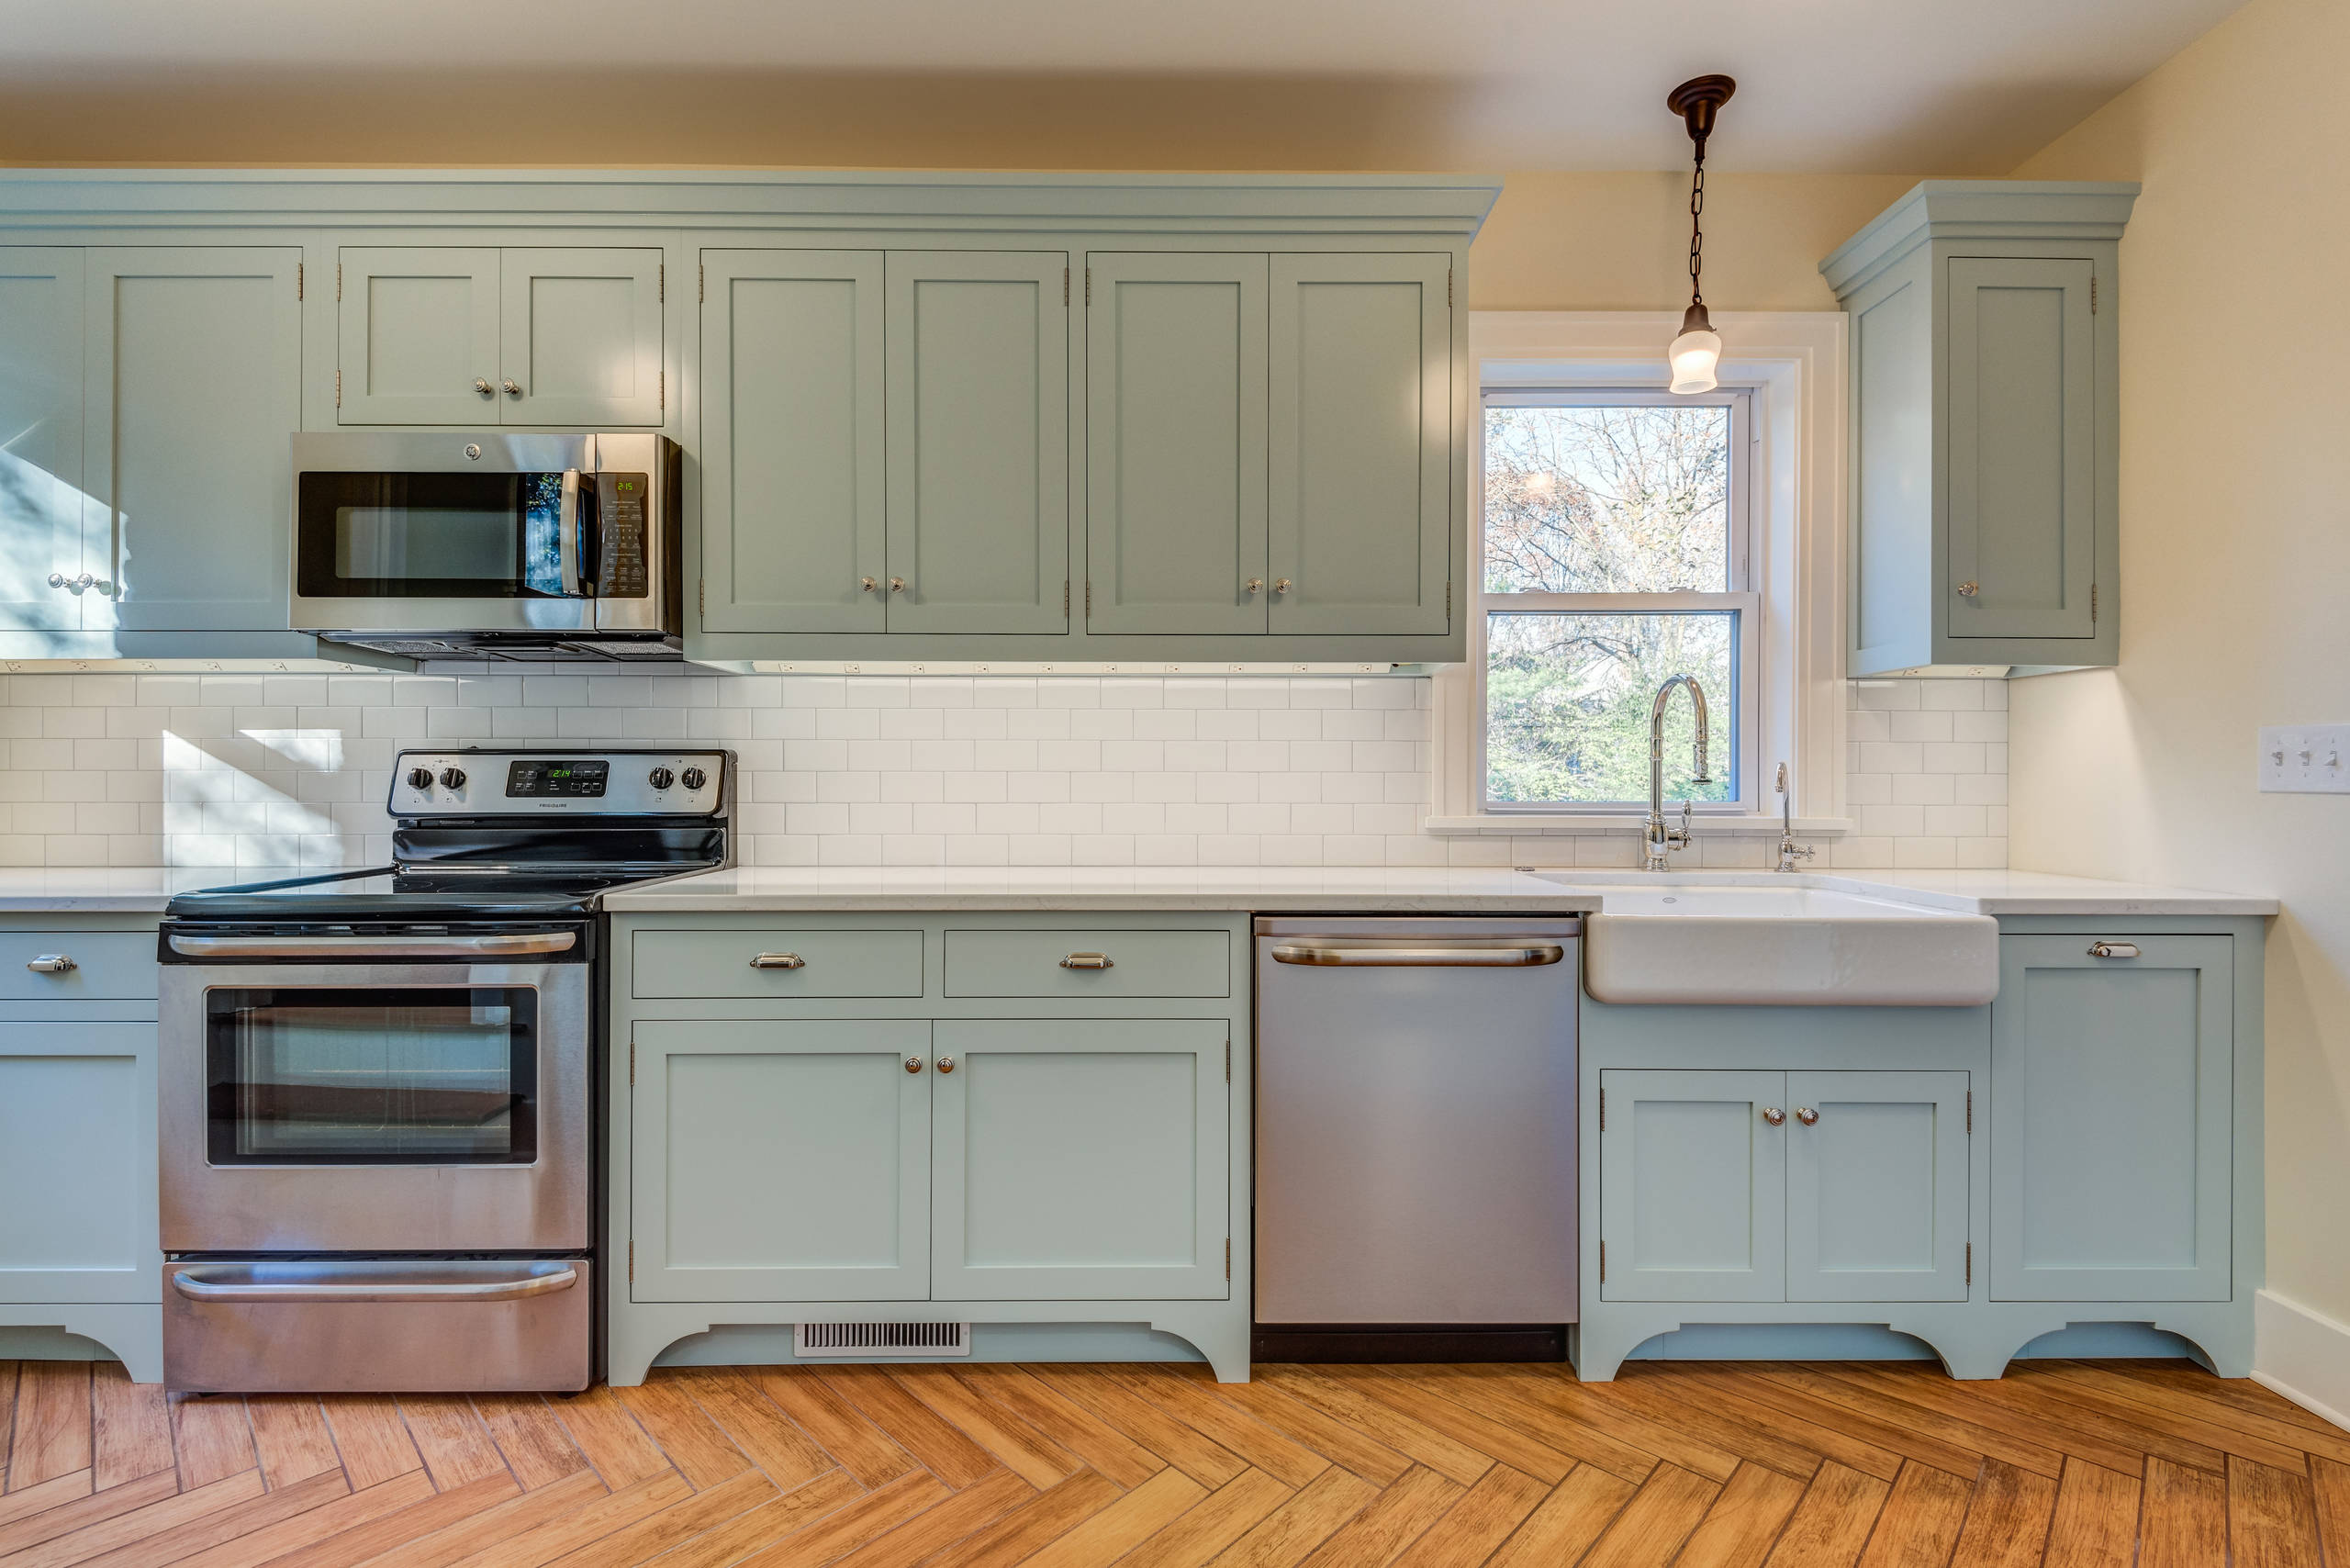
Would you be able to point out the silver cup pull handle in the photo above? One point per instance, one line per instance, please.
(778, 961)
(52, 964)
(2114, 950)
(1087, 961)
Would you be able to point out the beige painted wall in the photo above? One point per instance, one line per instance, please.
(2235, 561)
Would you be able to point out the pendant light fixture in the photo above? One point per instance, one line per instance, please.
(1699, 349)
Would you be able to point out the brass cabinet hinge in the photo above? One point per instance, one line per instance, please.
(1602, 1262)
(661, 283)
(1970, 1264)
(1447, 288)
(1064, 286)
(1447, 601)
(702, 596)
(297, 279)
(661, 396)
(338, 283)
(702, 284)
(631, 1260)
(338, 386)
(1970, 1110)
(1064, 599)
(1088, 286)
(1602, 1110)
(2092, 294)
(2092, 604)
(1227, 1061)
(632, 1064)
(1227, 1257)
(1089, 600)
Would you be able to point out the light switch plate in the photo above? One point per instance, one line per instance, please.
(2305, 759)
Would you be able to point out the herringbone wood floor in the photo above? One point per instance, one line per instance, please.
(1883, 1465)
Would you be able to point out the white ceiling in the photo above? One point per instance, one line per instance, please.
(1873, 85)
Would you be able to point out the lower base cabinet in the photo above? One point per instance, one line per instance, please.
(1054, 1144)
(1784, 1186)
(2081, 1158)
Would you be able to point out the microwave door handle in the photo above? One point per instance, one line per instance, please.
(567, 534)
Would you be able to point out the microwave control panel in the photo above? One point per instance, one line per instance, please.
(622, 503)
(585, 782)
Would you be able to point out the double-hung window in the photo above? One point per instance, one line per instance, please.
(1617, 552)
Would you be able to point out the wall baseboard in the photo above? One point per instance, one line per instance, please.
(2302, 1354)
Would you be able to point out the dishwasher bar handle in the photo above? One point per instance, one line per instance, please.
(1462, 955)
(330, 1283)
(496, 945)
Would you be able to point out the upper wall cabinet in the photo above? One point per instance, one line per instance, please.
(453, 335)
(41, 438)
(1986, 430)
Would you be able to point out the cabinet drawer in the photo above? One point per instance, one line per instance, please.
(724, 963)
(1140, 963)
(106, 964)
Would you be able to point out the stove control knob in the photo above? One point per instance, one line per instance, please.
(660, 778)
(420, 779)
(453, 778)
(695, 778)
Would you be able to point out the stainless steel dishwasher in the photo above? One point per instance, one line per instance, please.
(1415, 1137)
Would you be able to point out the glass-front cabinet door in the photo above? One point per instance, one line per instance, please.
(394, 1075)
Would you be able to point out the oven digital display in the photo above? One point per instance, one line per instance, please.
(540, 779)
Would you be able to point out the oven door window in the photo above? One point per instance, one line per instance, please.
(388, 1076)
(431, 535)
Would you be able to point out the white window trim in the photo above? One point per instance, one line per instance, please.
(1794, 363)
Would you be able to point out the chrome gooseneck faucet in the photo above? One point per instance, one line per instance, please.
(1657, 840)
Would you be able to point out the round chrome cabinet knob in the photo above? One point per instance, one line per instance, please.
(453, 779)
(694, 778)
(660, 778)
(420, 779)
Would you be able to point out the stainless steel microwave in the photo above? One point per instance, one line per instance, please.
(466, 544)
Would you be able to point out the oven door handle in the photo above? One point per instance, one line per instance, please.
(232, 1282)
(500, 944)
(567, 534)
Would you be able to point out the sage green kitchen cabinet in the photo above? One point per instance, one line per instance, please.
(1985, 433)
(2112, 1082)
(792, 483)
(780, 1160)
(459, 335)
(1693, 1186)
(79, 1246)
(1176, 391)
(931, 1118)
(1081, 1159)
(1358, 520)
(192, 385)
(41, 437)
(977, 404)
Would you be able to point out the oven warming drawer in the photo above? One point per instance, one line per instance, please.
(408, 1327)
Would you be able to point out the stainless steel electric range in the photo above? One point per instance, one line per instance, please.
(380, 1102)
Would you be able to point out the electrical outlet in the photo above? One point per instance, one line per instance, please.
(2305, 759)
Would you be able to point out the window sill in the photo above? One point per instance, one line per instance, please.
(1572, 824)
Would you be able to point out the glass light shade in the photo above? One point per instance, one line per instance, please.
(1694, 355)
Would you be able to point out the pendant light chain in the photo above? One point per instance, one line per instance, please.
(1696, 228)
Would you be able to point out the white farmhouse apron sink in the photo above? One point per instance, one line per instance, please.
(1786, 946)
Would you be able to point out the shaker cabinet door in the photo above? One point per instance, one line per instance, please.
(77, 1160)
(40, 439)
(2112, 1103)
(1175, 443)
(192, 388)
(1693, 1186)
(1876, 1186)
(2021, 448)
(418, 328)
(792, 532)
(579, 336)
(780, 1160)
(978, 409)
(1086, 1159)
(1358, 515)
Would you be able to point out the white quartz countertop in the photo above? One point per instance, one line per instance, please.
(1271, 889)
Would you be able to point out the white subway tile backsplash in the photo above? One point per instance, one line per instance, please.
(290, 770)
